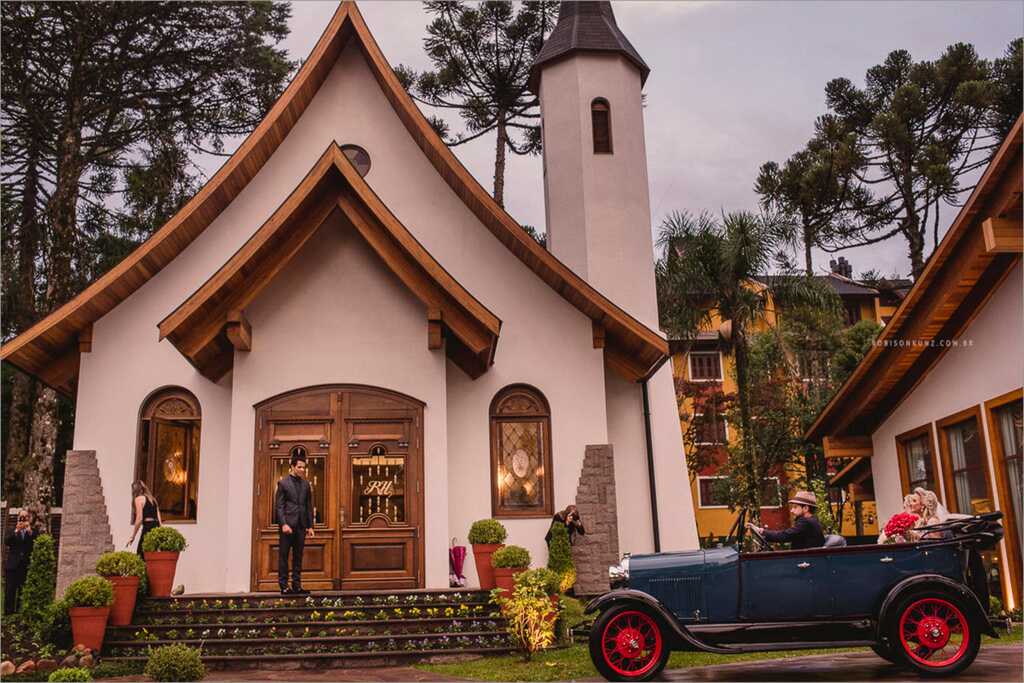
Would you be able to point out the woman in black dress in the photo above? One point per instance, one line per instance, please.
(570, 517)
(145, 513)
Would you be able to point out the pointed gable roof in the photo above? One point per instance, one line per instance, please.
(590, 26)
(50, 349)
(210, 325)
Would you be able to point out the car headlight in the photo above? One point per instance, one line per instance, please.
(618, 574)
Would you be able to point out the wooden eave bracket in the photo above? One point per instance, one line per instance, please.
(238, 331)
(599, 334)
(847, 446)
(435, 332)
(1003, 236)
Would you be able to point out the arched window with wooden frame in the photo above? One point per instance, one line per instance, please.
(168, 454)
(521, 469)
(601, 125)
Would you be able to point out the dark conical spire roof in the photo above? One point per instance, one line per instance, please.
(585, 26)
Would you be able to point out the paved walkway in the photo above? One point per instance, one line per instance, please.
(994, 663)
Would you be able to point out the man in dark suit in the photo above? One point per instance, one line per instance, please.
(806, 530)
(293, 504)
(19, 550)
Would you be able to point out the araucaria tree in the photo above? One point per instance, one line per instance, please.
(921, 127)
(103, 103)
(481, 54)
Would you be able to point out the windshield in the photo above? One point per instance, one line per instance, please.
(735, 536)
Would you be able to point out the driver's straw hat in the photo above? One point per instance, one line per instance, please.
(804, 498)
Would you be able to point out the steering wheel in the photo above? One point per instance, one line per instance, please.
(760, 542)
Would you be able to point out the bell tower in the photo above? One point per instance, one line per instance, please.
(588, 77)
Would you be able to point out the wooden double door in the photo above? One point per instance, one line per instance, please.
(364, 455)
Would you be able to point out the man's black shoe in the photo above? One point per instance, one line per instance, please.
(286, 591)
(299, 591)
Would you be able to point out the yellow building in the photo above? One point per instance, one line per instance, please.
(707, 360)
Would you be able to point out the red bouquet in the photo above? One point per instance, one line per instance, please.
(900, 524)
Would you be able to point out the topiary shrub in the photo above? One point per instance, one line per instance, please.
(123, 563)
(163, 539)
(90, 591)
(175, 663)
(40, 582)
(78, 673)
(486, 532)
(529, 613)
(560, 557)
(511, 556)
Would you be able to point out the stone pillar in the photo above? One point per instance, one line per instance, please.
(594, 552)
(85, 527)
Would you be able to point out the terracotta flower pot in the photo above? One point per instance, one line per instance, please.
(126, 588)
(554, 603)
(160, 566)
(88, 625)
(482, 557)
(505, 577)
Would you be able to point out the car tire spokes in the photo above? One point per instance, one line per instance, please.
(631, 643)
(934, 632)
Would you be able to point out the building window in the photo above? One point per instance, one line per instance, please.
(705, 366)
(712, 492)
(916, 460)
(1008, 421)
(963, 455)
(359, 158)
(1006, 431)
(852, 312)
(521, 453)
(601, 122)
(168, 456)
(710, 429)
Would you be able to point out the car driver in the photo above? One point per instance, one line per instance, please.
(806, 530)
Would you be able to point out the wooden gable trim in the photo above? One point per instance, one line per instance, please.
(959, 277)
(210, 325)
(47, 340)
(848, 447)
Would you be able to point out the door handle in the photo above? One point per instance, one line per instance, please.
(341, 517)
(886, 559)
(804, 565)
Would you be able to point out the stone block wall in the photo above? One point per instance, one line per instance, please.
(85, 527)
(594, 552)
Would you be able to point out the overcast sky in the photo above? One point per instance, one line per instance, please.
(732, 85)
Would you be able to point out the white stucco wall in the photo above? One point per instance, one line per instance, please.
(964, 377)
(544, 341)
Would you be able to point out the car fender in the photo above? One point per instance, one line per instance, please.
(629, 596)
(977, 615)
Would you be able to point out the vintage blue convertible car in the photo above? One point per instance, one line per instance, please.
(922, 605)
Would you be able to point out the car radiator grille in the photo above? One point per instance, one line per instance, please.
(681, 594)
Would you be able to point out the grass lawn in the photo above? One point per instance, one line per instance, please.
(573, 663)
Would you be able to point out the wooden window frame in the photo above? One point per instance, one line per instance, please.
(700, 496)
(689, 365)
(949, 484)
(595, 105)
(725, 424)
(496, 418)
(1010, 521)
(901, 455)
(146, 434)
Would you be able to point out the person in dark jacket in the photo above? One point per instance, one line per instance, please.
(806, 530)
(293, 504)
(570, 517)
(19, 550)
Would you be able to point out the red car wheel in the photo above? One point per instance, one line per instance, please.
(631, 644)
(934, 634)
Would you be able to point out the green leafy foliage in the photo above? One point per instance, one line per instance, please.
(529, 611)
(123, 563)
(164, 539)
(551, 580)
(560, 557)
(487, 531)
(41, 580)
(175, 663)
(77, 673)
(511, 556)
(89, 591)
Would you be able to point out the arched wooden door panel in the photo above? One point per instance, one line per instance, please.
(364, 449)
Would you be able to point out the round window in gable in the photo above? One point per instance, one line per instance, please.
(359, 158)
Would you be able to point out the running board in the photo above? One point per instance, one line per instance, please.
(772, 647)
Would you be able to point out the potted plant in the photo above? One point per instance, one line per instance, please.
(507, 562)
(486, 536)
(127, 573)
(88, 600)
(160, 549)
(552, 585)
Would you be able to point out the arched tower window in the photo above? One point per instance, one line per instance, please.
(521, 453)
(168, 457)
(601, 123)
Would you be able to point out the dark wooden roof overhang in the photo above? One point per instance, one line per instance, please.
(980, 248)
(49, 350)
(211, 324)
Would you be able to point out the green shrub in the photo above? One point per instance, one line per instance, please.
(115, 669)
(487, 531)
(510, 556)
(163, 539)
(55, 626)
(90, 591)
(560, 557)
(175, 663)
(123, 563)
(77, 673)
(41, 580)
(529, 613)
(550, 579)
(995, 606)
